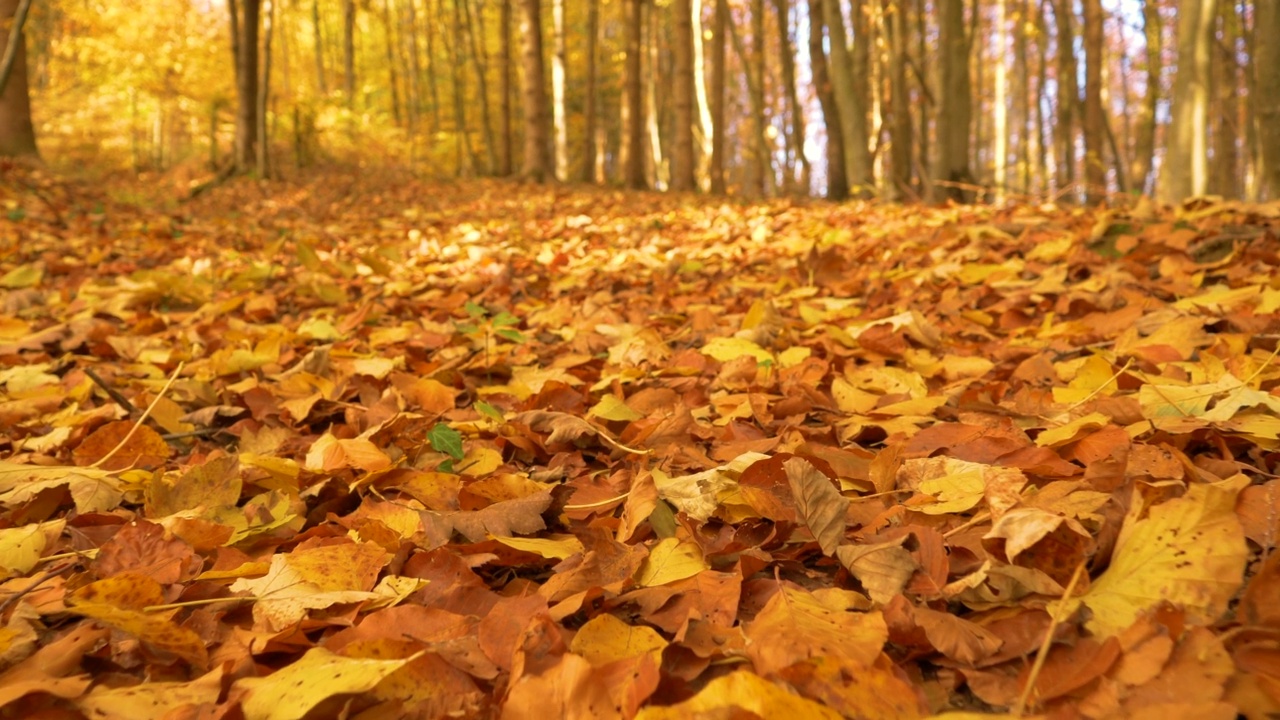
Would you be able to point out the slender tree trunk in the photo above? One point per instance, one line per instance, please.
(900, 131)
(851, 107)
(718, 60)
(682, 157)
(1095, 168)
(17, 133)
(463, 159)
(1000, 102)
(476, 37)
(590, 111)
(1266, 69)
(656, 170)
(1068, 94)
(321, 85)
(705, 127)
(1226, 154)
(956, 107)
(349, 50)
(1022, 96)
(1185, 173)
(633, 172)
(837, 181)
(559, 119)
(795, 111)
(264, 92)
(415, 65)
(1144, 145)
(536, 163)
(389, 46)
(759, 171)
(505, 152)
(247, 85)
(433, 87)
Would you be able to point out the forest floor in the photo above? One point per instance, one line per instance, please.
(373, 447)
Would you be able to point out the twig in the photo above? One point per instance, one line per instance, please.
(45, 577)
(120, 400)
(1043, 653)
(145, 415)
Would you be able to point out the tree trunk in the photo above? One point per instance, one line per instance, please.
(264, 92)
(633, 172)
(900, 131)
(1185, 171)
(17, 133)
(481, 60)
(349, 49)
(956, 106)
(851, 107)
(1068, 94)
(433, 86)
(589, 111)
(718, 59)
(656, 170)
(505, 161)
(247, 84)
(682, 157)
(837, 181)
(1000, 101)
(1145, 128)
(705, 128)
(536, 165)
(1022, 96)
(559, 119)
(321, 85)
(1095, 168)
(389, 46)
(795, 125)
(1226, 132)
(1266, 69)
(463, 164)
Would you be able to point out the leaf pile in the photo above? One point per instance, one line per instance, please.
(391, 449)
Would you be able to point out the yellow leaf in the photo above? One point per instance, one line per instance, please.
(605, 638)
(955, 493)
(795, 625)
(726, 349)
(745, 691)
(558, 548)
(291, 692)
(611, 408)
(23, 276)
(21, 547)
(1190, 551)
(120, 601)
(669, 561)
(1072, 431)
(150, 699)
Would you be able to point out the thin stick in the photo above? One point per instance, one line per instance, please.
(142, 419)
(1043, 653)
(121, 400)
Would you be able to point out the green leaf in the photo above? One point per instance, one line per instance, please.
(512, 335)
(446, 440)
(468, 328)
(486, 409)
(474, 310)
(505, 319)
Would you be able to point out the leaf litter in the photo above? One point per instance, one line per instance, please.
(391, 449)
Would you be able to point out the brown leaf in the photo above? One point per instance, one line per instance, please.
(821, 506)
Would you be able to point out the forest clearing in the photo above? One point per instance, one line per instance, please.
(614, 359)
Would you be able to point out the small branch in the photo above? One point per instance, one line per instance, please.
(15, 41)
(125, 440)
(119, 399)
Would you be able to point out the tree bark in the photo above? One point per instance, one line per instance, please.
(247, 83)
(559, 119)
(682, 157)
(389, 49)
(505, 152)
(17, 133)
(956, 106)
(851, 107)
(656, 170)
(718, 60)
(536, 163)
(1266, 69)
(1145, 128)
(1000, 101)
(321, 85)
(264, 91)
(705, 128)
(837, 181)
(433, 86)
(481, 61)
(1095, 168)
(633, 172)
(795, 125)
(1226, 174)
(1185, 173)
(463, 162)
(349, 50)
(1068, 95)
(900, 130)
(590, 121)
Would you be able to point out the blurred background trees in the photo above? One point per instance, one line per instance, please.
(899, 99)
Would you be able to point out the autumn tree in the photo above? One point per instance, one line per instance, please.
(245, 17)
(17, 134)
(1185, 171)
(1095, 172)
(956, 107)
(850, 105)
(718, 70)
(1266, 68)
(682, 157)
(633, 130)
(536, 160)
